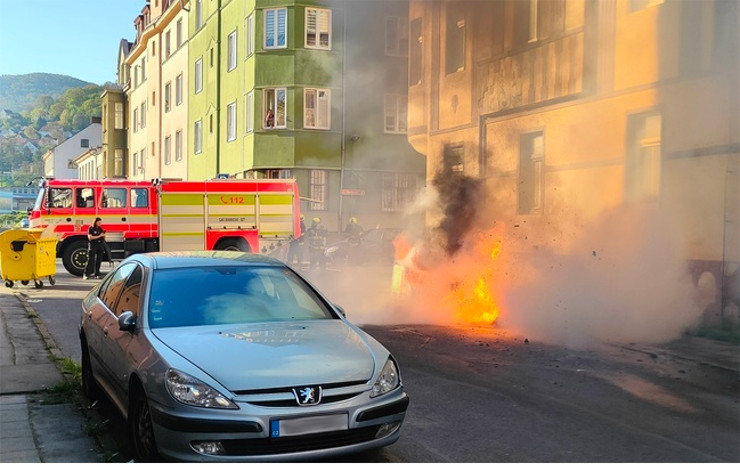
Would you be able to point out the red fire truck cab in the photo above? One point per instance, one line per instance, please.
(246, 215)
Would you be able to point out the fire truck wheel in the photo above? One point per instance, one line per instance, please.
(74, 257)
(232, 244)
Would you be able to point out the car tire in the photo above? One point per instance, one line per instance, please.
(233, 244)
(89, 386)
(142, 427)
(75, 257)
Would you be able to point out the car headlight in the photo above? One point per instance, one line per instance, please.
(193, 392)
(387, 381)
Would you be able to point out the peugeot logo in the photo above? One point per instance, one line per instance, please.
(307, 396)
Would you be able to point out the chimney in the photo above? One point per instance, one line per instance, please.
(96, 120)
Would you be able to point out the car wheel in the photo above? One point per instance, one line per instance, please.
(89, 386)
(75, 257)
(142, 428)
(232, 244)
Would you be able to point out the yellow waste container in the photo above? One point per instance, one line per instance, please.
(27, 256)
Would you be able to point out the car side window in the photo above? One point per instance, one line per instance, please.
(130, 295)
(115, 285)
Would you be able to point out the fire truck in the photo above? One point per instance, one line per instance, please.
(167, 215)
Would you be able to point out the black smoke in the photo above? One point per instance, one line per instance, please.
(458, 195)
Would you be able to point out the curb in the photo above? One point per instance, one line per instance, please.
(51, 344)
(673, 355)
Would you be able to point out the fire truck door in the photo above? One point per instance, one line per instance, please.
(181, 221)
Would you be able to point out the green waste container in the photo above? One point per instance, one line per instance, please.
(26, 256)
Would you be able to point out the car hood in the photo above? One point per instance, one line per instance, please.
(273, 355)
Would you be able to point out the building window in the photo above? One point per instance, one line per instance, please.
(454, 158)
(143, 115)
(118, 119)
(532, 21)
(318, 190)
(118, 162)
(178, 145)
(135, 164)
(249, 112)
(167, 97)
(143, 69)
(277, 174)
(397, 191)
(231, 122)
(415, 53)
(167, 150)
(232, 51)
(396, 107)
(167, 50)
(249, 33)
(455, 38)
(275, 106)
(318, 28)
(178, 33)
(643, 163)
(198, 14)
(198, 136)
(276, 23)
(531, 172)
(317, 109)
(113, 198)
(85, 143)
(136, 76)
(135, 118)
(396, 36)
(178, 90)
(198, 75)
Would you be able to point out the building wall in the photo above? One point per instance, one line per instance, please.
(114, 139)
(61, 155)
(176, 119)
(596, 78)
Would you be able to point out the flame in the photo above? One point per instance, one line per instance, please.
(465, 289)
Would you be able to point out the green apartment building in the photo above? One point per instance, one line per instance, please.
(306, 90)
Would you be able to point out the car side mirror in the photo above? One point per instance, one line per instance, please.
(340, 310)
(127, 321)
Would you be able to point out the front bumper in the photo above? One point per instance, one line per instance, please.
(370, 426)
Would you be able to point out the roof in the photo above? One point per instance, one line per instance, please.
(185, 259)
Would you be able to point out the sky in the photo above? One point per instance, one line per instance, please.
(77, 38)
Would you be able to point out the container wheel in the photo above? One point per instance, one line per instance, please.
(9, 283)
(38, 284)
(52, 280)
(24, 282)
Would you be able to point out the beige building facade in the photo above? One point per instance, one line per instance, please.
(582, 106)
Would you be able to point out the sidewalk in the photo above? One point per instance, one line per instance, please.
(32, 430)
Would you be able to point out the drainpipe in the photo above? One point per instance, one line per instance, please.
(344, 98)
(218, 91)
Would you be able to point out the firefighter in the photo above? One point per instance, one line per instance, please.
(96, 249)
(295, 253)
(353, 232)
(316, 241)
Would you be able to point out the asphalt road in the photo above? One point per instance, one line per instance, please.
(480, 395)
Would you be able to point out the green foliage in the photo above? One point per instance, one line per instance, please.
(20, 92)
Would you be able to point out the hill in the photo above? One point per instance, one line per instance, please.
(20, 92)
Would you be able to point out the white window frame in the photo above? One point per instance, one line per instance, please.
(397, 190)
(321, 118)
(249, 112)
(178, 34)
(167, 44)
(231, 121)
(118, 115)
(231, 57)
(168, 150)
(318, 13)
(318, 188)
(198, 136)
(198, 75)
(395, 109)
(143, 115)
(198, 14)
(273, 102)
(135, 119)
(167, 97)
(249, 33)
(394, 46)
(178, 90)
(276, 12)
(178, 145)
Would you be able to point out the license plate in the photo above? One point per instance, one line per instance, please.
(306, 425)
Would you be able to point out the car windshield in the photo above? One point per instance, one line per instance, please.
(231, 295)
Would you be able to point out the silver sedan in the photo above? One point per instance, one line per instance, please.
(229, 356)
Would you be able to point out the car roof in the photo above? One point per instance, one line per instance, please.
(190, 259)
